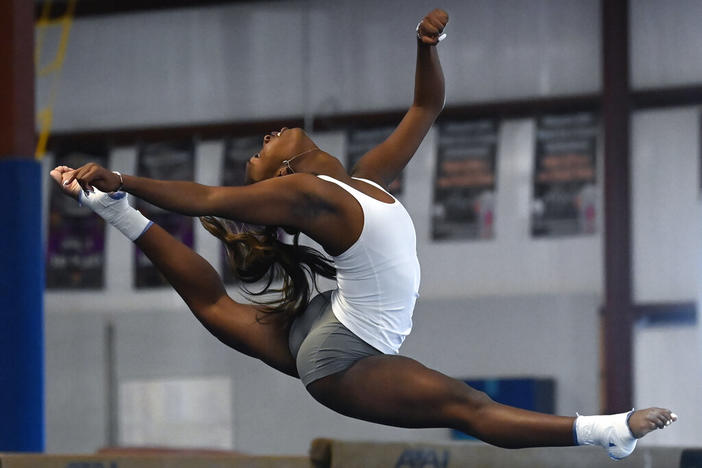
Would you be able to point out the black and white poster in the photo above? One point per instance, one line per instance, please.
(361, 140)
(75, 257)
(565, 176)
(163, 161)
(465, 181)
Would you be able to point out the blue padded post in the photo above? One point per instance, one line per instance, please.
(21, 307)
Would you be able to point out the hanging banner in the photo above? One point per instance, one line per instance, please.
(465, 181)
(164, 161)
(237, 151)
(565, 170)
(360, 141)
(75, 257)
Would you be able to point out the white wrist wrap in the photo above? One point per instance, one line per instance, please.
(114, 208)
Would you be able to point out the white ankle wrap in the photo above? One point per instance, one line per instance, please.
(114, 208)
(610, 431)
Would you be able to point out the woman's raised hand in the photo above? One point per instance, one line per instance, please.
(432, 25)
(59, 175)
(92, 175)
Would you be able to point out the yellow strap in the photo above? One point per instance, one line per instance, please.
(45, 115)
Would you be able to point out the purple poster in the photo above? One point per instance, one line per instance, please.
(565, 168)
(164, 161)
(360, 141)
(75, 256)
(237, 151)
(465, 181)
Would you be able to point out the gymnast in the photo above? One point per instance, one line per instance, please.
(342, 343)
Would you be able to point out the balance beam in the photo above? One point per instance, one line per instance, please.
(149, 461)
(326, 453)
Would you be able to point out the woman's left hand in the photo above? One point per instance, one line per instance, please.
(93, 175)
(431, 26)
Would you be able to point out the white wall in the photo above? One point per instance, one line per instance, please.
(511, 305)
(665, 38)
(667, 228)
(665, 188)
(667, 254)
(254, 61)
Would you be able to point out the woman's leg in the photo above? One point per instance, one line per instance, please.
(399, 391)
(193, 278)
(201, 288)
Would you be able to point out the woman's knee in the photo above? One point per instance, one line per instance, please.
(466, 406)
(459, 393)
(477, 399)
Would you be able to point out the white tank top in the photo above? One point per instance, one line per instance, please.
(378, 276)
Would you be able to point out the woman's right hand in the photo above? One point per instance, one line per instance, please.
(92, 175)
(59, 175)
(430, 28)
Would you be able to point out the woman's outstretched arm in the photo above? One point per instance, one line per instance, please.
(281, 201)
(385, 162)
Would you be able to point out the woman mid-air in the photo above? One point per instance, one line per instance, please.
(342, 344)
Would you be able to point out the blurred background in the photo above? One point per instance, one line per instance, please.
(556, 202)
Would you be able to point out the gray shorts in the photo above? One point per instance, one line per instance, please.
(321, 345)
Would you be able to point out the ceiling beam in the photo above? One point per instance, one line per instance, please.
(113, 7)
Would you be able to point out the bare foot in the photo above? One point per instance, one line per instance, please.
(646, 420)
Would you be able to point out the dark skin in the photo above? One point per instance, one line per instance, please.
(283, 190)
